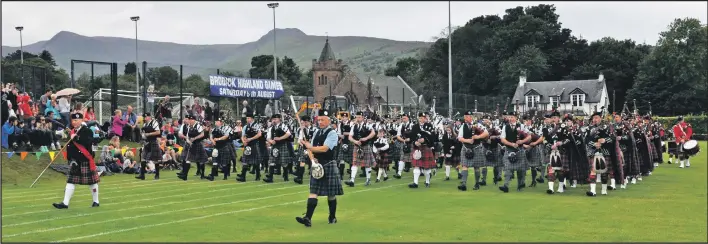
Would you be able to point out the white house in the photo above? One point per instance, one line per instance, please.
(579, 97)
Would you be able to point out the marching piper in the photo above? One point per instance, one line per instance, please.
(151, 151)
(280, 156)
(533, 149)
(452, 148)
(423, 159)
(305, 135)
(381, 149)
(330, 184)
(493, 152)
(598, 146)
(513, 137)
(361, 136)
(345, 151)
(472, 153)
(557, 137)
(404, 138)
(82, 168)
(223, 154)
(251, 152)
(195, 149)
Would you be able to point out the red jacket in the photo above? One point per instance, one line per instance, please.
(682, 132)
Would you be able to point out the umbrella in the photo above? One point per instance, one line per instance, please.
(67, 92)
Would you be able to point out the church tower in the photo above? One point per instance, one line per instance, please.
(327, 72)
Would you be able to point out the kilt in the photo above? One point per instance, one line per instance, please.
(284, 155)
(631, 162)
(656, 151)
(453, 161)
(197, 153)
(520, 161)
(185, 152)
(302, 157)
(406, 157)
(82, 174)
(534, 159)
(673, 148)
(564, 160)
(345, 155)
(479, 159)
(152, 151)
(394, 151)
(608, 162)
(255, 158)
(226, 155)
(498, 155)
(427, 159)
(329, 184)
(382, 160)
(367, 160)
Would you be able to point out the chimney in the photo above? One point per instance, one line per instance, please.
(601, 77)
(522, 78)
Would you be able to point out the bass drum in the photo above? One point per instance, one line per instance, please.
(691, 148)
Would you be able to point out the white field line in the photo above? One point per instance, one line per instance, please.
(125, 186)
(148, 215)
(208, 216)
(124, 189)
(22, 191)
(155, 205)
(148, 199)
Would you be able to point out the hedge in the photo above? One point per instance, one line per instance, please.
(699, 123)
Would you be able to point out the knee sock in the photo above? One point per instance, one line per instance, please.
(353, 174)
(185, 168)
(157, 169)
(476, 175)
(401, 165)
(94, 192)
(380, 173)
(543, 172)
(214, 170)
(507, 177)
(465, 174)
(202, 168)
(332, 203)
(521, 174)
(385, 174)
(534, 173)
(143, 168)
(341, 171)
(68, 193)
(484, 174)
(426, 172)
(497, 172)
(416, 175)
(311, 205)
(447, 170)
(368, 173)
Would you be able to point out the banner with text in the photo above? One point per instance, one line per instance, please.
(237, 87)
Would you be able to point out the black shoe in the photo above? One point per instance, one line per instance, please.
(377, 181)
(258, 178)
(611, 188)
(385, 178)
(95, 204)
(368, 182)
(142, 177)
(427, 185)
(349, 183)
(332, 220)
(590, 194)
(406, 170)
(182, 177)
(225, 177)
(179, 174)
(549, 191)
(533, 184)
(304, 221)
(268, 180)
(210, 178)
(459, 176)
(539, 180)
(505, 189)
(462, 187)
(298, 180)
(413, 185)
(157, 177)
(496, 180)
(522, 186)
(241, 179)
(447, 178)
(397, 176)
(476, 187)
(483, 183)
(60, 205)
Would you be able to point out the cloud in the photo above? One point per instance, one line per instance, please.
(240, 22)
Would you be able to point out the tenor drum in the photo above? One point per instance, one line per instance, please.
(691, 148)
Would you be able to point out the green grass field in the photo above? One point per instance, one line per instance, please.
(669, 206)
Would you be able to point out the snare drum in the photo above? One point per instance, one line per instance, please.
(691, 148)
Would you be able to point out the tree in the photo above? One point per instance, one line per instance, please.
(406, 68)
(672, 77)
(262, 68)
(46, 56)
(528, 61)
(15, 56)
(130, 68)
(164, 75)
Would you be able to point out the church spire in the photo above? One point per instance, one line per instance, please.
(327, 53)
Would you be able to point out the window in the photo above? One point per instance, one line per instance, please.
(319, 80)
(577, 100)
(531, 100)
(554, 101)
(325, 80)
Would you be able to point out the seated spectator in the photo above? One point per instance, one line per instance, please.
(8, 131)
(21, 140)
(52, 107)
(54, 130)
(42, 105)
(129, 164)
(110, 159)
(117, 124)
(131, 132)
(90, 117)
(169, 158)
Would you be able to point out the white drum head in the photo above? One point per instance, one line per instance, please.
(690, 144)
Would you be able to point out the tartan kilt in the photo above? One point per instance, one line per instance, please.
(255, 158)
(427, 159)
(284, 155)
(498, 157)
(197, 153)
(383, 160)
(394, 152)
(302, 157)
(673, 148)
(479, 159)
(406, 157)
(329, 184)
(453, 161)
(520, 161)
(226, 155)
(655, 151)
(367, 160)
(564, 160)
(608, 162)
(152, 152)
(82, 174)
(185, 152)
(345, 156)
(536, 156)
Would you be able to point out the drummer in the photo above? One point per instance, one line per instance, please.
(682, 132)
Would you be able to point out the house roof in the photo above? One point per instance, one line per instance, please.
(592, 88)
(398, 91)
(327, 53)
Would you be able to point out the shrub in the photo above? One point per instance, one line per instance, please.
(699, 123)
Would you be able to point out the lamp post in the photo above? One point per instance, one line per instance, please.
(137, 79)
(449, 58)
(275, 58)
(22, 56)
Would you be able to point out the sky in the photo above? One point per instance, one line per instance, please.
(241, 22)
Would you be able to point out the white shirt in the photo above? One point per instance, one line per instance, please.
(472, 126)
(63, 105)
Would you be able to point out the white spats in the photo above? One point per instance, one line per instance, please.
(634, 181)
(427, 172)
(656, 165)
(401, 165)
(381, 171)
(447, 170)
(94, 192)
(368, 173)
(593, 188)
(612, 183)
(385, 174)
(623, 185)
(604, 189)
(670, 160)
(68, 193)
(354, 170)
(574, 184)
(688, 163)
(550, 185)
(681, 163)
(561, 185)
(416, 175)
